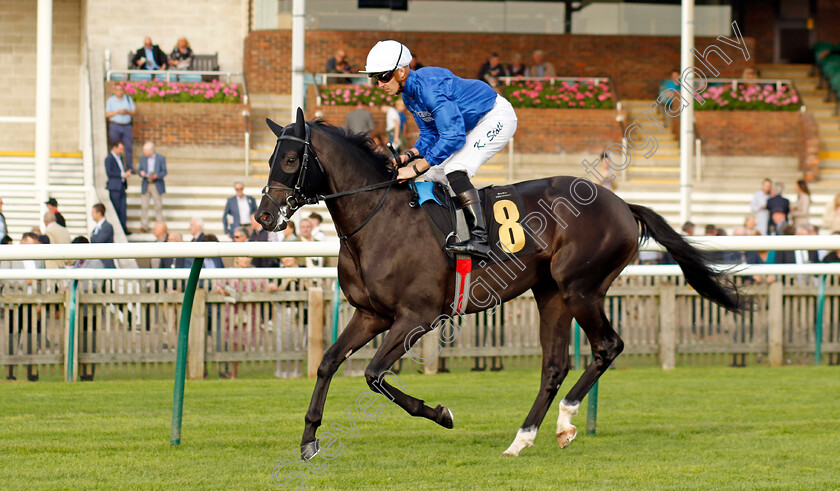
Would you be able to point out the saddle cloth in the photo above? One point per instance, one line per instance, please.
(503, 207)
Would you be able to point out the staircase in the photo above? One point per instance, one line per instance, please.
(21, 206)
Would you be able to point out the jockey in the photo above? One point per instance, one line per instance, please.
(463, 123)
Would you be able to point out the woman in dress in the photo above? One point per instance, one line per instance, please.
(831, 217)
(800, 213)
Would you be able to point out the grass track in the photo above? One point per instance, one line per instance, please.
(715, 428)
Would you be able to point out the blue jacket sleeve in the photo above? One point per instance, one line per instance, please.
(111, 167)
(162, 168)
(450, 128)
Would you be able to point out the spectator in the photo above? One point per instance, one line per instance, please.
(833, 256)
(831, 217)
(57, 235)
(288, 234)
(379, 139)
(118, 174)
(4, 231)
(258, 234)
(149, 57)
(103, 232)
(306, 228)
(516, 67)
(491, 70)
(317, 220)
(87, 313)
(152, 169)
(800, 212)
(168, 262)
(399, 105)
(415, 64)
(540, 68)
(688, 229)
(181, 57)
(161, 233)
(240, 234)
(197, 229)
(241, 320)
(30, 312)
(211, 262)
(392, 125)
(359, 120)
(749, 225)
(238, 209)
(779, 208)
(338, 64)
(52, 205)
(6, 240)
(119, 110)
(758, 205)
(667, 88)
(798, 256)
(749, 73)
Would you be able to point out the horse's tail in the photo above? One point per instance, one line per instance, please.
(709, 283)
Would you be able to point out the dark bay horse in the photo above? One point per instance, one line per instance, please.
(393, 271)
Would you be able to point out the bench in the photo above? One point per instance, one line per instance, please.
(201, 63)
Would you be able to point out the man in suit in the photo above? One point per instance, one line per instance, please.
(779, 208)
(117, 173)
(52, 205)
(238, 210)
(149, 57)
(26, 311)
(103, 232)
(169, 262)
(152, 169)
(197, 231)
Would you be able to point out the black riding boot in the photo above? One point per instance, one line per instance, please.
(477, 244)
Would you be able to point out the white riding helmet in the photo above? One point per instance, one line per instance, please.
(386, 56)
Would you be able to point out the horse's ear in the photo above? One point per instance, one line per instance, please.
(300, 124)
(275, 128)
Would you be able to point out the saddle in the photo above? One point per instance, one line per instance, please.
(502, 206)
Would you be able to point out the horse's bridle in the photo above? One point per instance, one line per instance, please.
(298, 198)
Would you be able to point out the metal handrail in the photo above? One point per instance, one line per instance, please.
(170, 74)
(323, 78)
(734, 82)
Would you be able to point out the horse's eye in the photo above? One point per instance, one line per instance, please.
(291, 160)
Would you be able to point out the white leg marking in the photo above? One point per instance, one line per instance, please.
(524, 439)
(566, 431)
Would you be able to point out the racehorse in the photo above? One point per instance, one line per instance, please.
(393, 271)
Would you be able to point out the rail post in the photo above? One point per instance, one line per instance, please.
(775, 314)
(336, 307)
(667, 326)
(181, 358)
(592, 410)
(71, 351)
(818, 327)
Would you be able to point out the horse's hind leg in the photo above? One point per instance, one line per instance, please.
(606, 346)
(363, 327)
(555, 320)
(402, 336)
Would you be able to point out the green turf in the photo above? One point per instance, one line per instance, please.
(713, 428)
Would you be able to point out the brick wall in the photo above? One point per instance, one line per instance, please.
(635, 63)
(538, 130)
(827, 20)
(175, 124)
(753, 133)
(759, 21)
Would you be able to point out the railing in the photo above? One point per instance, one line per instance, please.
(127, 318)
(734, 82)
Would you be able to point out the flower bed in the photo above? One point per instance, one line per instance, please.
(749, 97)
(349, 95)
(207, 92)
(559, 95)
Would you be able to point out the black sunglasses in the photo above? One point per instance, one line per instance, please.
(383, 77)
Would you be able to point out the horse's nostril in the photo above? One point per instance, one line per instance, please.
(266, 216)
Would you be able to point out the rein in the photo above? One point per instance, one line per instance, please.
(297, 199)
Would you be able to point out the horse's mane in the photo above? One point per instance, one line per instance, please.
(377, 160)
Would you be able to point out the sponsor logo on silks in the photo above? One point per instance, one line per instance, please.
(425, 116)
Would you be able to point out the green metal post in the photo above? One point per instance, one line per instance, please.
(181, 360)
(336, 305)
(71, 333)
(592, 410)
(576, 328)
(818, 328)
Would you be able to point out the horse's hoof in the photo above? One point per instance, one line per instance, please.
(309, 450)
(444, 418)
(565, 437)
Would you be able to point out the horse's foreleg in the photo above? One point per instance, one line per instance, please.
(363, 327)
(400, 339)
(555, 320)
